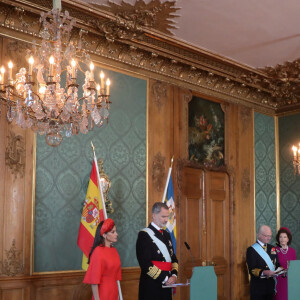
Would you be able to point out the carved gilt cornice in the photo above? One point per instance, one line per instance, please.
(133, 38)
(283, 83)
(130, 20)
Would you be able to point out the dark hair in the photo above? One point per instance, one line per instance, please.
(98, 240)
(157, 206)
(283, 230)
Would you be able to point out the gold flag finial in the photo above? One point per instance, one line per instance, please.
(172, 159)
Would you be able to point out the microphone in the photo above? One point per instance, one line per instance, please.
(190, 251)
(187, 246)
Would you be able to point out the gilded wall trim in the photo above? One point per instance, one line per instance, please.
(158, 171)
(15, 154)
(159, 92)
(117, 39)
(12, 265)
(245, 184)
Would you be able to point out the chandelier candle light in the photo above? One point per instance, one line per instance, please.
(36, 100)
(296, 159)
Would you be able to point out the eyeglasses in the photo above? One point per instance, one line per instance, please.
(265, 235)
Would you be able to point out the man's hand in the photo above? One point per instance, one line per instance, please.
(268, 273)
(171, 280)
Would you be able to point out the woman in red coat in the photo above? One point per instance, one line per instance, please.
(104, 263)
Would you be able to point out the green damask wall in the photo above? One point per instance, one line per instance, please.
(62, 176)
(289, 134)
(265, 171)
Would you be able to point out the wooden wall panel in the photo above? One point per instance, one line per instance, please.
(160, 138)
(64, 292)
(162, 123)
(62, 286)
(218, 229)
(29, 181)
(16, 162)
(3, 128)
(130, 283)
(18, 288)
(240, 149)
(16, 294)
(191, 224)
(180, 119)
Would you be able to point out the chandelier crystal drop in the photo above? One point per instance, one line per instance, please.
(36, 99)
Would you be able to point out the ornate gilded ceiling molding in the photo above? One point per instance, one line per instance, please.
(130, 19)
(153, 54)
(15, 154)
(12, 265)
(158, 171)
(159, 92)
(282, 81)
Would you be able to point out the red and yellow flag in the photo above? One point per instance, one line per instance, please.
(92, 215)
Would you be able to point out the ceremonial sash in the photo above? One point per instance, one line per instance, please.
(160, 245)
(264, 255)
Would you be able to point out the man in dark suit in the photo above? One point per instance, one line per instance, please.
(262, 261)
(156, 257)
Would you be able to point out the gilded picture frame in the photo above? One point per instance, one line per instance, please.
(206, 132)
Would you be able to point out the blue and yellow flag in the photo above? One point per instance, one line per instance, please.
(171, 225)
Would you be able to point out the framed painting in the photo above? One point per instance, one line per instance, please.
(206, 132)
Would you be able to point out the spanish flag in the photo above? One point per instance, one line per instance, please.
(92, 214)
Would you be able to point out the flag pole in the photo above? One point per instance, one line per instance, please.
(104, 208)
(99, 183)
(168, 179)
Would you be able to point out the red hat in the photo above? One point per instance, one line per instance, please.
(107, 226)
(286, 229)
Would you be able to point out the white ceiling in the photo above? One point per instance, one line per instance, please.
(257, 33)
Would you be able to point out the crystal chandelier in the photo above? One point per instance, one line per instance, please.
(35, 98)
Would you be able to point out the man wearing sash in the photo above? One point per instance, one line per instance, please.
(156, 257)
(262, 261)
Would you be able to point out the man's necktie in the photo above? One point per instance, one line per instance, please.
(160, 231)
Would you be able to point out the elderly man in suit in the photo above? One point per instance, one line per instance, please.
(262, 261)
(156, 257)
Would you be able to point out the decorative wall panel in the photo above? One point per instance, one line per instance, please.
(289, 128)
(265, 172)
(62, 176)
